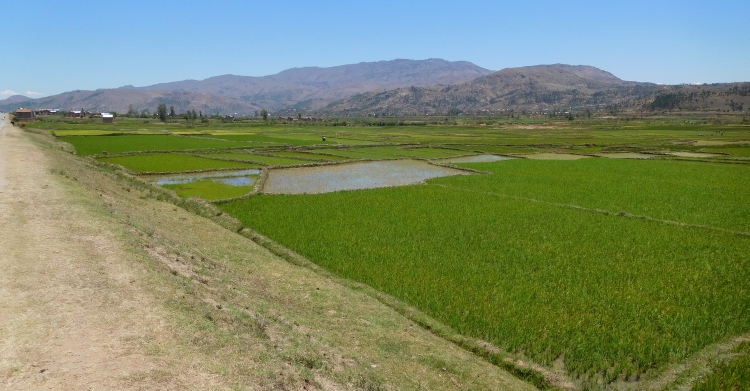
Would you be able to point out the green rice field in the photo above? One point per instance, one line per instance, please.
(259, 159)
(96, 145)
(610, 294)
(172, 162)
(612, 269)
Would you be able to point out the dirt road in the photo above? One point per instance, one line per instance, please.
(104, 286)
(69, 317)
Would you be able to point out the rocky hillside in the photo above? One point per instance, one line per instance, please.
(314, 87)
(300, 88)
(119, 100)
(13, 99)
(533, 88)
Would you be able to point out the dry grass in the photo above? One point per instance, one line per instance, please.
(236, 316)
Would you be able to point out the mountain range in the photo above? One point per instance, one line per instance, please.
(302, 88)
(405, 87)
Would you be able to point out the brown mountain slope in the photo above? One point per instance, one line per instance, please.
(539, 87)
(542, 88)
(119, 100)
(314, 87)
(13, 99)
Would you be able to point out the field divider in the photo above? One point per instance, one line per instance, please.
(602, 211)
(683, 375)
(542, 377)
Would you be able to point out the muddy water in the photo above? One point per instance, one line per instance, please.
(626, 155)
(554, 156)
(692, 154)
(475, 159)
(233, 178)
(352, 176)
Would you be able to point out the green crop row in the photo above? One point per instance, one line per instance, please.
(172, 162)
(688, 192)
(263, 159)
(609, 294)
(96, 145)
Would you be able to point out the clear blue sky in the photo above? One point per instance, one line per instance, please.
(57, 46)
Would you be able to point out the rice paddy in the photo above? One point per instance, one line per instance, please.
(172, 162)
(611, 249)
(612, 295)
(351, 176)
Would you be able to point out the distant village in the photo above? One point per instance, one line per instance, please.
(25, 114)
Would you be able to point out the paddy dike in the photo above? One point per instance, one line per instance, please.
(353, 176)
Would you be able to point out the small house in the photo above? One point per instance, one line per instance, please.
(108, 118)
(24, 113)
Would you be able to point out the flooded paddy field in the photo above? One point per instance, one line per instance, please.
(626, 155)
(692, 154)
(352, 176)
(232, 178)
(553, 156)
(211, 185)
(475, 159)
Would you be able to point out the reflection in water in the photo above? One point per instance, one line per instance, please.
(232, 178)
(475, 159)
(351, 176)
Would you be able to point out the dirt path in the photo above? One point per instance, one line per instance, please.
(70, 317)
(104, 286)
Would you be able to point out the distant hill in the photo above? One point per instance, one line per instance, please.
(119, 100)
(543, 88)
(300, 88)
(405, 87)
(526, 88)
(314, 87)
(13, 99)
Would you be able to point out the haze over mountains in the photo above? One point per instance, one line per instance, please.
(404, 87)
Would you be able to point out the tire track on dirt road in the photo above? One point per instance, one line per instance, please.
(71, 317)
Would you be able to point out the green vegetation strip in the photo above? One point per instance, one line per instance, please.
(611, 295)
(262, 159)
(172, 162)
(97, 145)
(688, 192)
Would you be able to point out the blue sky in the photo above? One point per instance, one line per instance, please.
(57, 46)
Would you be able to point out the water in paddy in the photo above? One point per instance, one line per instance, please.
(232, 178)
(626, 155)
(553, 156)
(475, 159)
(352, 176)
(692, 154)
